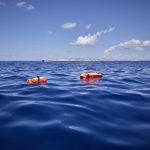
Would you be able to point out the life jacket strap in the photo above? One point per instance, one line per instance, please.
(38, 79)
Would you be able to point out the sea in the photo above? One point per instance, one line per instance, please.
(67, 113)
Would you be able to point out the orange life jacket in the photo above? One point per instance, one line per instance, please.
(91, 75)
(36, 80)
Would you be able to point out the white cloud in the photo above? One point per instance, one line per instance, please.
(50, 32)
(86, 40)
(29, 7)
(146, 44)
(69, 25)
(25, 5)
(88, 26)
(20, 4)
(131, 44)
(90, 40)
(2, 4)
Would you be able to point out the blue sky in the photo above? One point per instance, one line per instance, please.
(43, 29)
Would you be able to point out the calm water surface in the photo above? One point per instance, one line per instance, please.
(112, 113)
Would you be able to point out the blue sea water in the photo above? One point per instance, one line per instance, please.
(112, 113)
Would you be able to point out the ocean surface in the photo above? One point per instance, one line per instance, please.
(112, 113)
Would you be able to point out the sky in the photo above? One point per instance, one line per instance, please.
(104, 29)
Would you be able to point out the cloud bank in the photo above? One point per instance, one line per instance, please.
(69, 25)
(131, 44)
(25, 5)
(90, 40)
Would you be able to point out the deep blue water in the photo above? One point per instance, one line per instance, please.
(112, 113)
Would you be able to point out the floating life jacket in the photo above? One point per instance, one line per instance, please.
(91, 75)
(37, 80)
